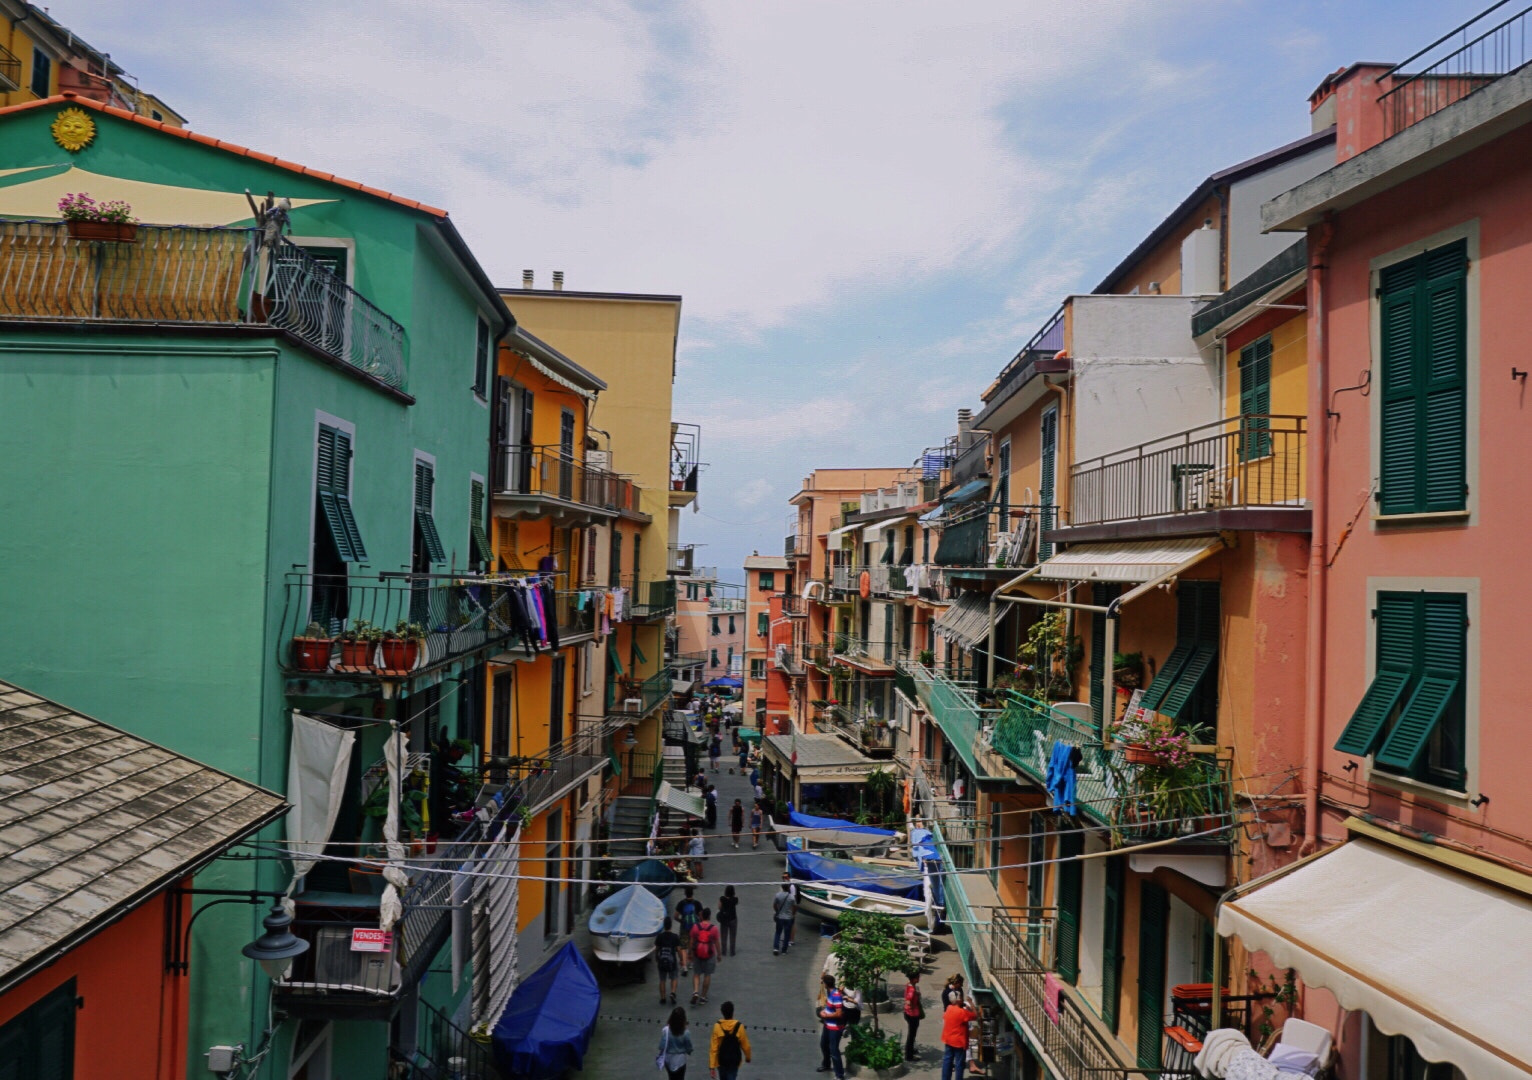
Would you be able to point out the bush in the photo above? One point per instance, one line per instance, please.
(874, 1049)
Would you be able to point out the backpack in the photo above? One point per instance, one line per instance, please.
(688, 911)
(704, 943)
(730, 1053)
(666, 956)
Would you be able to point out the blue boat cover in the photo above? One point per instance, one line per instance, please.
(628, 913)
(808, 821)
(922, 845)
(547, 1023)
(653, 875)
(910, 885)
(726, 680)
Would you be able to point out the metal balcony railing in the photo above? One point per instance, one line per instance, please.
(178, 275)
(10, 70)
(817, 653)
(445, 617)
(871, 734)
(679, 559)
(548, 472)
(649, 600)
(793, 604)
(1477, 54)
(640, 697)
(685, 464)
(794, 544)
(1238, 463)
(546, 775)
(1138, 802)
(1047, 341)
(903, 494)
(954, 704)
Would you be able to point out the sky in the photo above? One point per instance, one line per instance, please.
(867, 205)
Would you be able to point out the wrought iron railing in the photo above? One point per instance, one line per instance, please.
(1138, 802)
(1048, 340)
(685, 446)
(649, 600)
(444, 1051)
(439, 617)
(1239, 462)
(1479, 54)
(870, 733)
(817, 653)
(10, 70)
(548, 472)
(640, 697)
(179, 275)
(543, 776)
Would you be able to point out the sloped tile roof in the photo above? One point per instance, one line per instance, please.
(94, 821)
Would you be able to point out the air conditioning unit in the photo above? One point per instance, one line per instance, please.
(336, 965)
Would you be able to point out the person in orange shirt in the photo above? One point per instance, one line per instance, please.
(955, 1023)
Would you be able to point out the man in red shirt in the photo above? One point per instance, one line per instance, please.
(955, 1023)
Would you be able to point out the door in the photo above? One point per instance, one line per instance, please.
(524, 445)
(1153, 915)
(500, 717)
(556, 699)
(1067, 928)
(1111, 947)
(566, 454)
(1045, 485)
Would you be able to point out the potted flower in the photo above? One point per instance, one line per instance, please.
(401, 646)
(1135, 733)
(1128, 671)
(358, 642)
(311, 649)
(104, 222)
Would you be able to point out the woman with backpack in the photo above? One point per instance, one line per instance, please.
(675, 1046)
(705, 942)
(728, 921)
(730, 1046)
(667, 955)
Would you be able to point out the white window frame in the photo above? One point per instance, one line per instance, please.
(1470, 588)
(1469, 232)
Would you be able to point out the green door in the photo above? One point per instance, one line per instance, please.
(1067, 930)
(1153, 925)
(1111, 945)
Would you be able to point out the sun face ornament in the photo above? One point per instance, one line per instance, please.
(73, 130)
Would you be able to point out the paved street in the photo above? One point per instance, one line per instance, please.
(773, 996)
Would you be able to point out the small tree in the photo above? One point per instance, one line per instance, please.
(1051, 655)
(868, 946)
(880, 789)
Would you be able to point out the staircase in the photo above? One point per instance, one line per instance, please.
(675, 767)
(630, 827)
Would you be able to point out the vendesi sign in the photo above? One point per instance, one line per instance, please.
(364, 939)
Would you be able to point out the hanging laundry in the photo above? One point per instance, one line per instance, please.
(1060, 777)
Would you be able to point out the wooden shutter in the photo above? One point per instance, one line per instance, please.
(1037, 855)
(1255, 399)
(1166, 677)
(39, 1043)
(1045, 484)
(1153, 917)
(476, 523)
(481, 359)
(1395, 634)
(1067, 929)
(425, 480)
(1102, 593)
(1193, 672)
(1111, 945)
(333, 479)
(1440, 625)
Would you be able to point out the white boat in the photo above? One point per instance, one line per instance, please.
(624, 925)
(828, 836)
(829, 901)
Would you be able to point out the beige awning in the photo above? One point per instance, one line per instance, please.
(1440, 956)
(966, 622)
(837, 535)
(153, 204)
(1135, 560)
(874, 533)
(683, 801)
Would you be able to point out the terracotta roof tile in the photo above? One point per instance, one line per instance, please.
(70, 98)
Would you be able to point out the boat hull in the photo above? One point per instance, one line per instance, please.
(621, 950)
(830, 904)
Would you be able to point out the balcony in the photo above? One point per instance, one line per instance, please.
(193, 277)
(872, 735)
(787, 659)
(10, 71)
(1241, 472)
(635, 698)
(1034, 358)
(794, 605)
(678, 559)
(685, 464)
(544, 482)
(649, 600)
(543, 779)
(967, 725)
(817, 654)
(453, 617)
(904, 494)
(1484, 54)
(1138, 803)
(875, 656)
(795, 544)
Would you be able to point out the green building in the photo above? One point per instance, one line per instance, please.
(213, 437)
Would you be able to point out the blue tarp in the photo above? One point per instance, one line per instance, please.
(730, 681)
(653, 875)
(808, 867)
(808, 821)
(922, 846)
(547, 1023)
(970, 490)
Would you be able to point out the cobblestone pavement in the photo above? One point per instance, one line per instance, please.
(773, 995)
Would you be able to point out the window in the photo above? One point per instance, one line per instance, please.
(1003, 485)
(614, 571)
(40, 1042)
(730, 658)
(638, 548)
(713, 659)
(478, 539)
(757, 669)
(428, 542)
(1423, 357)
(589, 569)
(731, 626)
(42, 72)
(1182, 688)
(1255, 400)
(566, 454)
(767, 582)
(1048, 460)
(906, 627)
(1405, 1062)
(333, 481)
(155, 114)
(715, 626)
(762, 623)
(1412, 717)
(481, 359)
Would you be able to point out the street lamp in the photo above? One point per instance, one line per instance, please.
(278, 946)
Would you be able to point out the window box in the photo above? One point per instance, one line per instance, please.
(312, 654)
(108, 232)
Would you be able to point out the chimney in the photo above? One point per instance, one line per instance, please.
(558, 281)
(965, 424)
(526, 279)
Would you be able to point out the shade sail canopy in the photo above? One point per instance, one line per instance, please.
(730, 681)
(971, 490)
(546, 1027)
(683, 801)
(966, 622)
(874, 533)
(1428, 952)
(1137, 560)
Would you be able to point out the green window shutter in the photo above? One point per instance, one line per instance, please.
(1166, 677)
(1045, 487)
(481, 360)
(1361, 733)
(327, 473)
(425, 480)
(1102, 593)
(1441, 621)
(642, 659)
(1255, 399)
(1198, 664)
(1153, 917)
(762, 623)
(1111, 946)
(1067, 928)
(611, 647)
(333, 478)
(39, 1043)
(1407, 741)
(1444, 378)
(1395, 617)
(476, 523)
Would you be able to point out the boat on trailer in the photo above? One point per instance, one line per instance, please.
(829, 902)
(624, 925)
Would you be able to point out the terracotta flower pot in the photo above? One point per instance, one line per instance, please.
(399, 654)
(356, 654)
(111, 232)
(312, 654)
(1139, 754)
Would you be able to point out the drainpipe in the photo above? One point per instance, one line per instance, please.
(1318, 480)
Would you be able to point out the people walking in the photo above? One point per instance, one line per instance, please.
(737, 820)
(953, 991)
(667, 956)
(792, 927)
(832, 1018)
(955, 1021)
(710, 808)
(755, 825)
(696, 848)
(728, 921)
(688, 913)
(705, 943)
(675, 1045)
(714, 750)
(783, 911)
(914, 1013)
(730, 1045)
(743, 751)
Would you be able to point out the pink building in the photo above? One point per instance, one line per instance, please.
(1413, 930)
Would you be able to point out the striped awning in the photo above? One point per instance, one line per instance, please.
(1135, 561)
(966, 622)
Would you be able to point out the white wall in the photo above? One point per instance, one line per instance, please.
(1184, 940)
(1138, 374)
(1092, 922)
(1249, 248)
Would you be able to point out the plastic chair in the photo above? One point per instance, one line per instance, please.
(1306, 1036)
